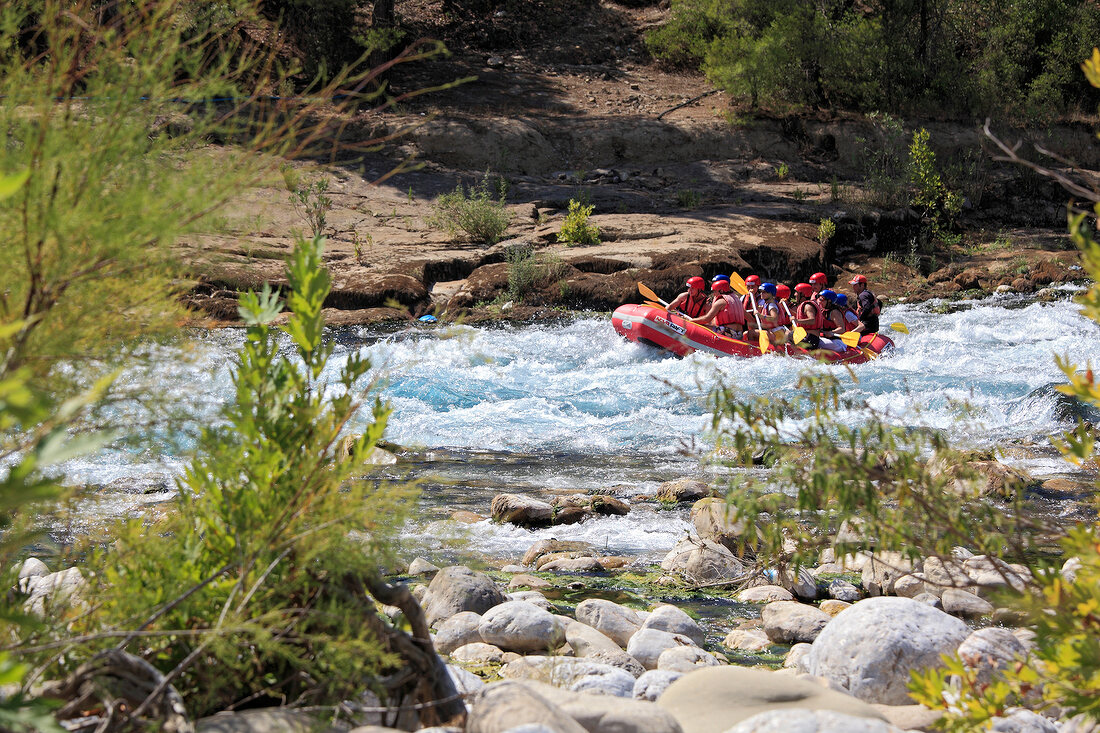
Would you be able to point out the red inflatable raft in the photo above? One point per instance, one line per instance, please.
(656, 327)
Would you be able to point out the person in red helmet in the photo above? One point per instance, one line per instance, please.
(818, 282)
(808, 314)
(867, 306)
(783, 294)
(752, 282)
(726, 313)
(693, 303)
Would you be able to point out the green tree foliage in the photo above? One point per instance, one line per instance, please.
(262, 573)
(960, 57)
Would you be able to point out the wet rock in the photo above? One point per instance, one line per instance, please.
(788, 622)
(653, 683)
(647, 645)
(510, 704)
(521, 627)
(550, 557)
(717, 698)
(546, 547)
(467, 517)
(965, 604)
(870, 648)
(524, 580)
(811, 721)
(682, 490)
(617, 622)
(457, 588)
(522, 511)
(747, 640)
(673, 620)
(573, 565)
(702, 561)
(458, 630)
(765, 594)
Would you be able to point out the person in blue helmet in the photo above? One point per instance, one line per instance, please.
(851, 320)
(833, 323)
(770, 315)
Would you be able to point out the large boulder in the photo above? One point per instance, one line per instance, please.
(811, 721)
(716, 698)
(682, 490)
(522, 627)
(789, 622)
(522, 511)
(871, 648)
(509, 704)
(456, 589)
(673, 620)
(55, 592)
(991, 574)
(702, 561)
(617, 622)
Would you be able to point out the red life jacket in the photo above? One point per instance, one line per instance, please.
(746, 302)
(784, 316)
(695, 308)
(819, 316)
(734, 312)
(851, 319)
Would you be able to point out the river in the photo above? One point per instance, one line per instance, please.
(543, 409)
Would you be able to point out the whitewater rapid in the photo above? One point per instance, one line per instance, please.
(548, 408)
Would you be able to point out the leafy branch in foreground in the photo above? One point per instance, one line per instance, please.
(264, 575)
(898, 489)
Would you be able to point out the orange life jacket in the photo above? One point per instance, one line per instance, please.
(819, 317)
(734, 312)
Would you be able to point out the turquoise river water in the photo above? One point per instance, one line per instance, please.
(540, 409)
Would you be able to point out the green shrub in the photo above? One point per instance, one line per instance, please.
(826, 228)
(310, 200)
(688, 199)
(474, 212)
(264, 568)
(577, 230)
(528, 271)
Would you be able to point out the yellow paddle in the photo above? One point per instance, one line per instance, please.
(899, 327)
(652, 304)
(764, 343)
(850, 338)
(799, 334)
(644, 290)
(738, 284)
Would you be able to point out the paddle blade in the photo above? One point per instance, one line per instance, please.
(648, 293)
(850, 338)
(738, 284)
(868, 353)
(764, 342)
(899, 327)
(799, 334)
(651, 304)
